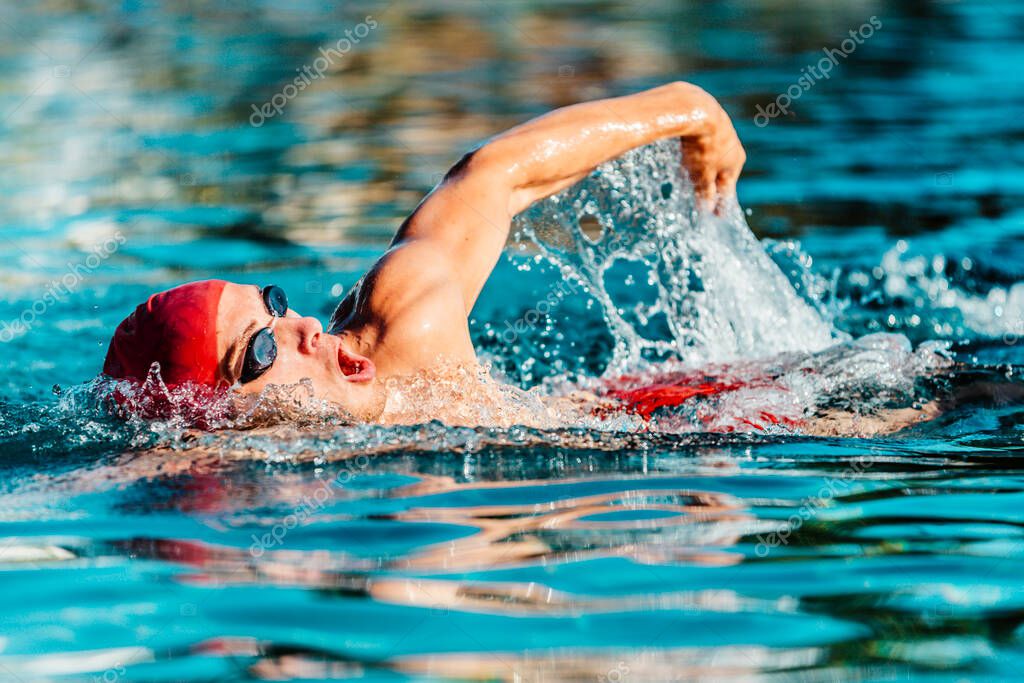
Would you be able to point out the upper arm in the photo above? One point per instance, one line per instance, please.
(411, 298)
(466, 218)
(446, 249)
(465, 222)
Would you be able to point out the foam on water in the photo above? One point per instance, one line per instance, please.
(922, 281)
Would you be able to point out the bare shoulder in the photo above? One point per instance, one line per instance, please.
(410, 274)
(414, 301)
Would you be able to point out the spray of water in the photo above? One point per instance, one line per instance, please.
(920, 284)
(729, 316)
(717, 293)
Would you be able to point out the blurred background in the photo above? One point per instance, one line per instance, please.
(140, 119)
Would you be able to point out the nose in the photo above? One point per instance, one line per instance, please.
(307, 332)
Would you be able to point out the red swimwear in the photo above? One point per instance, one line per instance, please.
(644, 400)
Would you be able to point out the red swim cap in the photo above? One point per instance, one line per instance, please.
(176, 328)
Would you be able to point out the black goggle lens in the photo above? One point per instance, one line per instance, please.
(275, 300)
(260, 354)
(261, 351)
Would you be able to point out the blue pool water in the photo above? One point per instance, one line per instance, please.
(147, 552)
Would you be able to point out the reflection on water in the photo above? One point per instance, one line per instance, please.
(516, 554)
(566, 565)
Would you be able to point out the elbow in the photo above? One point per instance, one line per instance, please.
(486, 161)
(688, 94)
(461, 167)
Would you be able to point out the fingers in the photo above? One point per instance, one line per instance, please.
(733, 159)
(705, 185)
(714, 167)
(725, 190)
(728, 175)
(701, 172)
(725, 185)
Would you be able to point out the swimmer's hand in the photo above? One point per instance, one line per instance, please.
(714, 157)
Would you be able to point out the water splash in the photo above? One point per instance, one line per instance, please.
(932, 292)
(875, 384)
(481, 400)
(741, 334)
(715, 293)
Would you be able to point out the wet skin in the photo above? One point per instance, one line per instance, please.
(409, 313)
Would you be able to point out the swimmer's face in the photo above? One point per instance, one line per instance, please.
(304, 351)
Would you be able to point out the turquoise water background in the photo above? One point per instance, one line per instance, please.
(132, 163)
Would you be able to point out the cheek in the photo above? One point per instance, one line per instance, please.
(291, 368)
(286, 369)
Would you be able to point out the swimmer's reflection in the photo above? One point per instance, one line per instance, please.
(268, 660)
(662, 664)
(647, 525)
(639, 521)
(223, 566)
(219, 481)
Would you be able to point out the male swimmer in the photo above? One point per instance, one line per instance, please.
(409, 313)
(408, 316)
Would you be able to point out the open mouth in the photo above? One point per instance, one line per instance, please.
(355, 368)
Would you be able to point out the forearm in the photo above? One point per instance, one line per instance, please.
(551, 152)
(466, 218)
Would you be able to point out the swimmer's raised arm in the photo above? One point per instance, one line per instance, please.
(465, 220)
